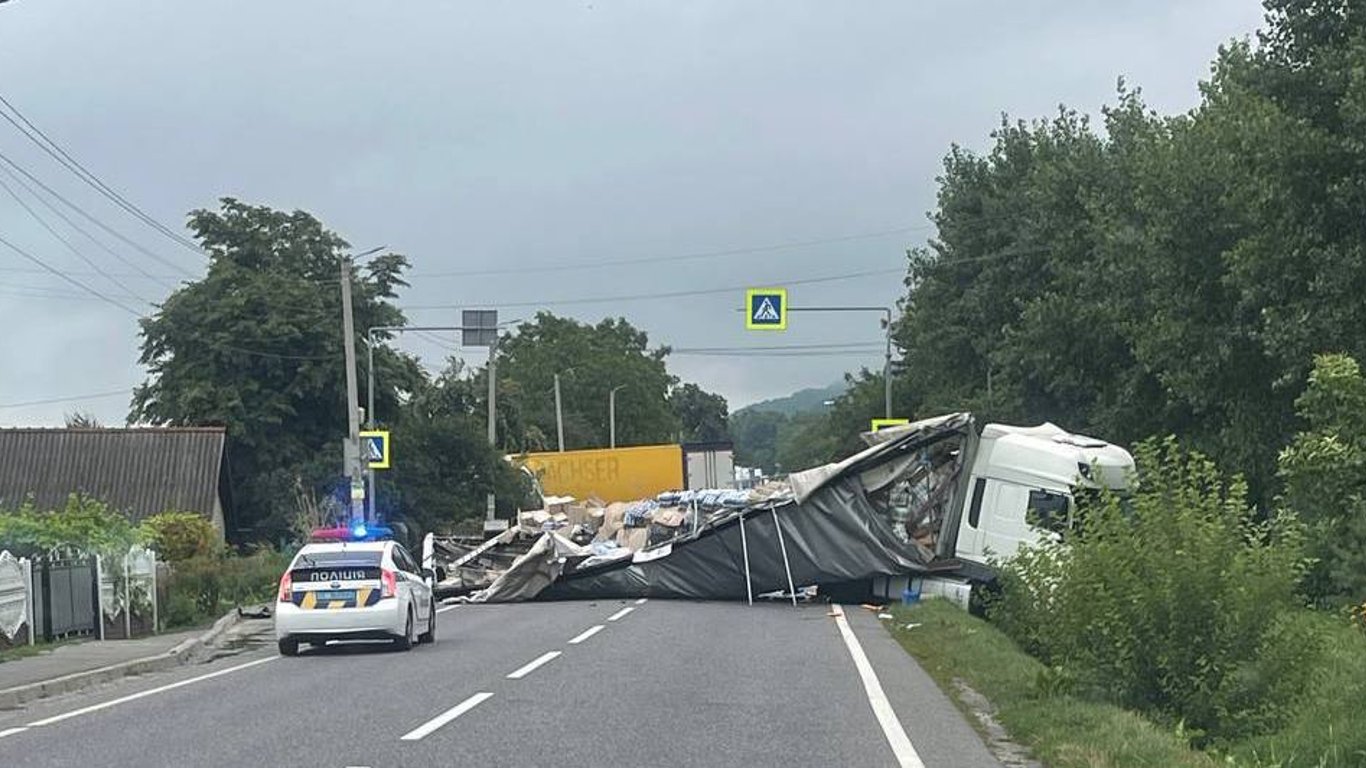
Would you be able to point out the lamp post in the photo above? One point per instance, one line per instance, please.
(612, 413)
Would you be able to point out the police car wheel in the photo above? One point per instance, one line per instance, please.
(289, 647)
(405, 641)
(430, 635)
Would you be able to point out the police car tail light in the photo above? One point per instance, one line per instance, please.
(390, 583)
(286, 588)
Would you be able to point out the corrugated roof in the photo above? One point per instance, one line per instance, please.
(141, 471)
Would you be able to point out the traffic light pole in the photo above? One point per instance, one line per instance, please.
(887, 332)
(370, 343)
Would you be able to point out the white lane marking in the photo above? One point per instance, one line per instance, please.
(587, 633)
(642, 600)
(447, 608)
(11, 732)
(426, 728)
(620, 613)
(145, 694)
(906, 756)
(528, 669)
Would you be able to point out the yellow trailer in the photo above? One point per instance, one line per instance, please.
(610, 474)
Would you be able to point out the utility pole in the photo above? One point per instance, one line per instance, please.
(489, 501)
(352, 406)
(479, 328)
(559, 414)
(887, 365)
(612, 413)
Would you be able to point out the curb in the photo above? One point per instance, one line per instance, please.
(184, 653)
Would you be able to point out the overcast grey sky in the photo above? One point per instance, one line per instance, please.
(523, 134)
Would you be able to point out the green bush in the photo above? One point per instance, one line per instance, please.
(202, 588)
(178, 536)
(1173, 602)
(83, 524)
(1326, 730)
(1324, 471)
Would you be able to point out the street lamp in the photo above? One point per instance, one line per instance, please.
(612, 412)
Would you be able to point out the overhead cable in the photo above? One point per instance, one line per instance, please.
(55, 151)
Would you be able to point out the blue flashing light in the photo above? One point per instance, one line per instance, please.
(360, 532)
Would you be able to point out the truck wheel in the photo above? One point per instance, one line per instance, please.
(288, 647)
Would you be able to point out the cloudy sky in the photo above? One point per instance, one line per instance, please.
(800, 139)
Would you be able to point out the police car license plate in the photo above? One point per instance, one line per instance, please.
(324, 596)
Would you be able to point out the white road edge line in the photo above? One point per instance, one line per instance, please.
(642, 600)
(144, 694)
(906, 756)
(619, 614)
(12, 731)
(587, 633)
(447, 608)
(528, 669)
(420, 732)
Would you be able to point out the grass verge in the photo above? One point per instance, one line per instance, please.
(1060, 730)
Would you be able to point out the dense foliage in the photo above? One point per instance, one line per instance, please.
(1175, 601)
(1325, 478)
(82, 525)
(1166, 274)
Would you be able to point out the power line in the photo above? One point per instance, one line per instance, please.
(69, 279)
(98, 243)
(651, 296)
(92, 219)
(74, 398)
(129, 292)
(679, 257)
(55, 151)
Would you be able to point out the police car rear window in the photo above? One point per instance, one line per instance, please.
(338, 557)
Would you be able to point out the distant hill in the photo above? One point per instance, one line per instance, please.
(798, 402)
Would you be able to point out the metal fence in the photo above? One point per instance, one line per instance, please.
(16, 610)
(65, 595)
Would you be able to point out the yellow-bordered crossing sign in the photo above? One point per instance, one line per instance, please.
(374, 448)
(885, 423)
(766, 309)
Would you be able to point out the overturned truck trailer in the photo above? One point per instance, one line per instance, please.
(831, 527)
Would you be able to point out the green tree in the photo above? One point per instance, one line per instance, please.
(1325, 477)
(256, 345)
(447, 466)
(755, 434)
(702, 415)
(590, 360)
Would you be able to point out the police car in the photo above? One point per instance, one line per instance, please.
(354, 584)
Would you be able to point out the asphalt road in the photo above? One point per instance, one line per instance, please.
(660, 684)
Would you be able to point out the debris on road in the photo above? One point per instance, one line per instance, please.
(833, 525)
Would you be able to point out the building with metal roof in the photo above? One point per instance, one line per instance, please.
(140, 471)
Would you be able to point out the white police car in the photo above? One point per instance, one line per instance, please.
(354, 585)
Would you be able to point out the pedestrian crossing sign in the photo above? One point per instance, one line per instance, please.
(880, 424)
(374, 449)
(766, 309)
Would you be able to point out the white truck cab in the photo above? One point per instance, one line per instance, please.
(1022, 484)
